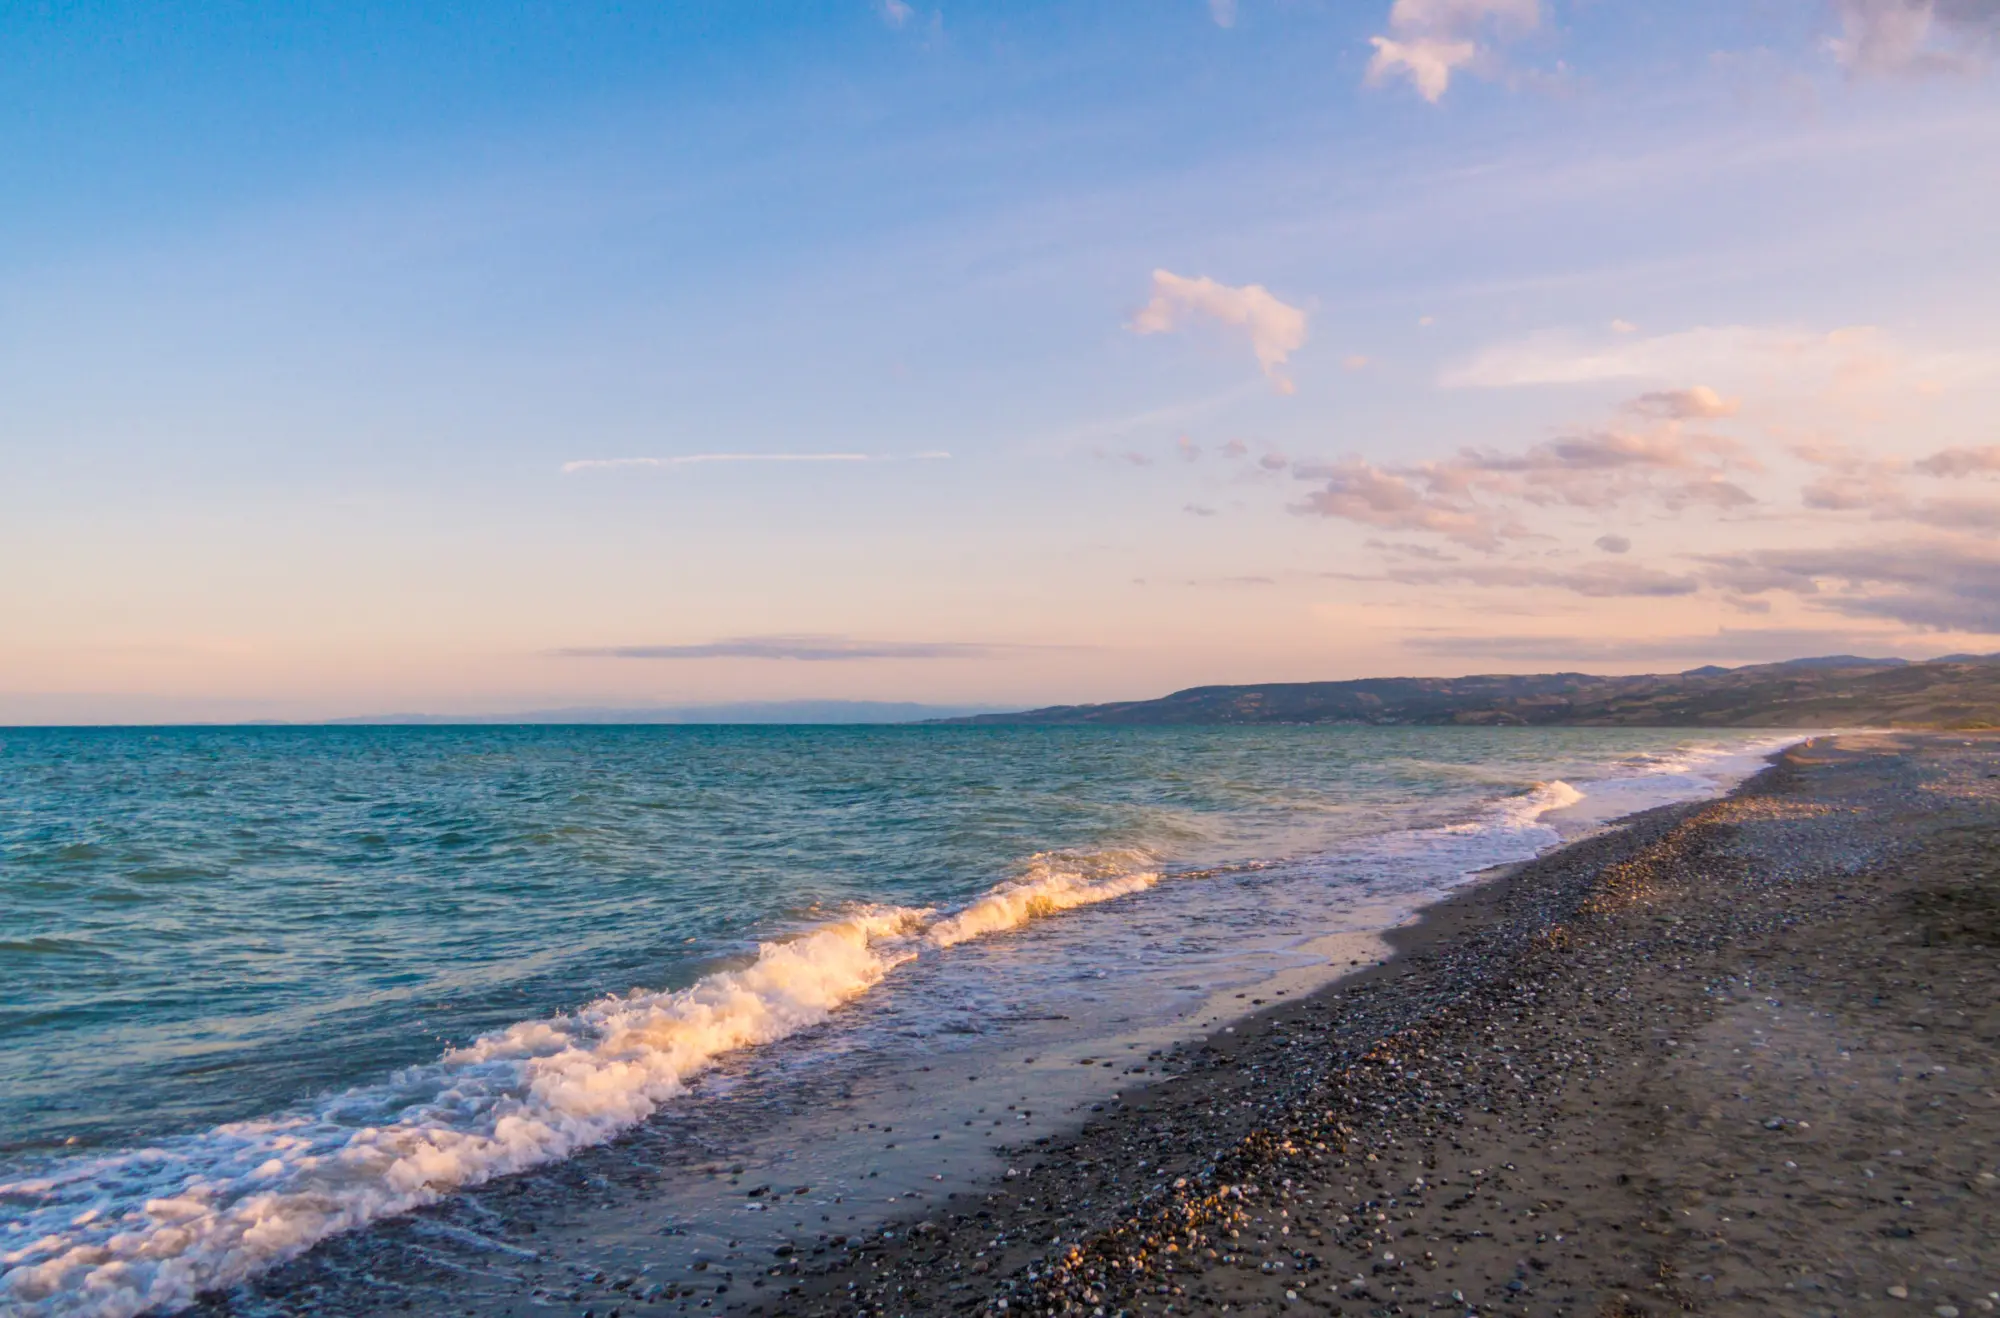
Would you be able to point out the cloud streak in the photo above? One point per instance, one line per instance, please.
(1697, 403)
(1595, 580)
(1275, 328)
(699, 459)
(803, 648)
(1749, 645)
(1712, 351)
(1940, 584)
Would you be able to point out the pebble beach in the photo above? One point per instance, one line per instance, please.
(1730, 1058)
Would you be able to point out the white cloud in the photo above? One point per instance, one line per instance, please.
(1223, 12)
(697, 459)
(1434, 38)
(895, 12)
(1276, 329)
(1904, 37)
(1426, 61)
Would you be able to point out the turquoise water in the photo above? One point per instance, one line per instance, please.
(258, 985)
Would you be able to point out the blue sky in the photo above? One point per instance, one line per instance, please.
(309, 314)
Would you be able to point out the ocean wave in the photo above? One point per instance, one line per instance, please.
(1055, 882)
(123, 1234)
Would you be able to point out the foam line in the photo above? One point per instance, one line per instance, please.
(131, 1232)
(1055, 882)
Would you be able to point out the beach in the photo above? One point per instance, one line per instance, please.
(1735, 1057)
(1732, 1055)
(460, 1020)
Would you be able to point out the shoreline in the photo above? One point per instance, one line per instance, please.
(1472, 920)
(809, 1114)
(585, 1234)
(1488, 1087)
(1474, 929)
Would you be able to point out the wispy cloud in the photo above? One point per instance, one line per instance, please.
(1432, 39)
(807, 648)
(895, 12)
(1223, 12)
(1474, 497)
(1940, 584)
(1275, 328)
(697, 459)
(1696, 403)
(1429, 553)
(1854, 481)
(1744, 645)
(1593, 580)
(1915, 37)
(1962, 461)
(1709, 351)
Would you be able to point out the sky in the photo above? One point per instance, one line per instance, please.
(369, 357)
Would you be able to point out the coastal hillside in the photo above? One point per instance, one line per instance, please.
(1959, 691)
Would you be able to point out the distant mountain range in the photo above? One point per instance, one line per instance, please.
(1958, 691)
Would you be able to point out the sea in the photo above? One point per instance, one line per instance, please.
(261, 988)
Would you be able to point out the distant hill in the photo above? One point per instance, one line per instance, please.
(1961, 691)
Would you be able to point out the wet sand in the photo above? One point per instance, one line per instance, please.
(1732, 1058)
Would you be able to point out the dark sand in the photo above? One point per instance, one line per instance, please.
(1736, 1058)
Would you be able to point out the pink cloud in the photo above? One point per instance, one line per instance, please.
(1275, 328)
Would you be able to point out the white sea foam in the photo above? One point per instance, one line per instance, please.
(127, 1233)
(1056, 881)
(1526, 810)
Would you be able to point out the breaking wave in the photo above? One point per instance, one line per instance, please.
(126, 1233)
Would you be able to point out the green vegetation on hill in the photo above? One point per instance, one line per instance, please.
(1962, 691)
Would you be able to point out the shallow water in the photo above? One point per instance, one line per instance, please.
(260, 986)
